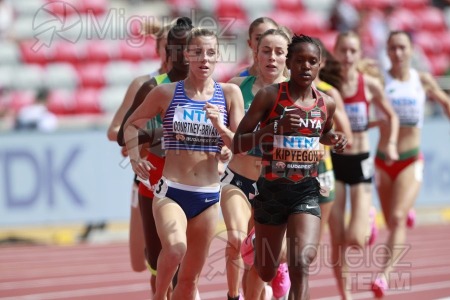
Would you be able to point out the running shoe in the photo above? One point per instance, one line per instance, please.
(379, 287)
(373, 226)
(247, 248)
(411, 219)
(281, 283)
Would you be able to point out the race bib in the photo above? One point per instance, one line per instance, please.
(357, 115)
(296, 149)
(191, 126)
(407, 110)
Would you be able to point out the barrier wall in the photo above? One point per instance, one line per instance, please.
(62, 177)
(81, 176)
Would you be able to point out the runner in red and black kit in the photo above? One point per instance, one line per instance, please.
(294, 118)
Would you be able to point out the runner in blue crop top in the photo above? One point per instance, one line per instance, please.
(186, 199)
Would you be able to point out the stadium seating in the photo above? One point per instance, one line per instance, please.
(63, 51)
(431, 19)
(87, 101)
(87, 72)
(98, 51)
(21, 98)
(27, 77)
(61, 102)
(61, 75)
(91, 75)
(9, 53)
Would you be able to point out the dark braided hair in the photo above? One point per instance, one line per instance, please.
(183, 25)
(298, 39)
(331, 72)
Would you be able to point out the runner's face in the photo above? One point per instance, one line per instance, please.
(175, 55)
(162, 49)
(271, 55)
(202, 55)
(399, 49)
(348, 51)
(304, 63)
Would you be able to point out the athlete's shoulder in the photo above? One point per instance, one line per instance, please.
(228, 87)
(373, 82)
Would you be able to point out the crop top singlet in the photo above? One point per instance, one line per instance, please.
(293, 156)
(357, 107)
(407, 98)
(186, 126)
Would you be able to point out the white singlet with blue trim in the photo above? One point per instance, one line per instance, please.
(407, 98)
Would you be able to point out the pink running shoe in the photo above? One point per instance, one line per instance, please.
(411, 219)
(373, 226)
(379, 287)
(247, 249)
(281, 283)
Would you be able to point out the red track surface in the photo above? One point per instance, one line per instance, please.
(102, 271)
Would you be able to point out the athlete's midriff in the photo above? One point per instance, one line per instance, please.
(360, 143)
(246, 165)
(196, 168)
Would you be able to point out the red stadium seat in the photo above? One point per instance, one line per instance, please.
(403, 19)
(61, 102)
(66, 52)
(128, 51)
(31, 55)
(427, 42)
(20, 99)
(289, 5)
(63, 8)
(149, 48)
(91, 75)
(227, 9)
(415, 4)
(307, 22)
(98, 51)
(431, 19)
(328, 38)
(87, 101)
(96, 7)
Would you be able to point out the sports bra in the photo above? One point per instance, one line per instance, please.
(186, 126)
